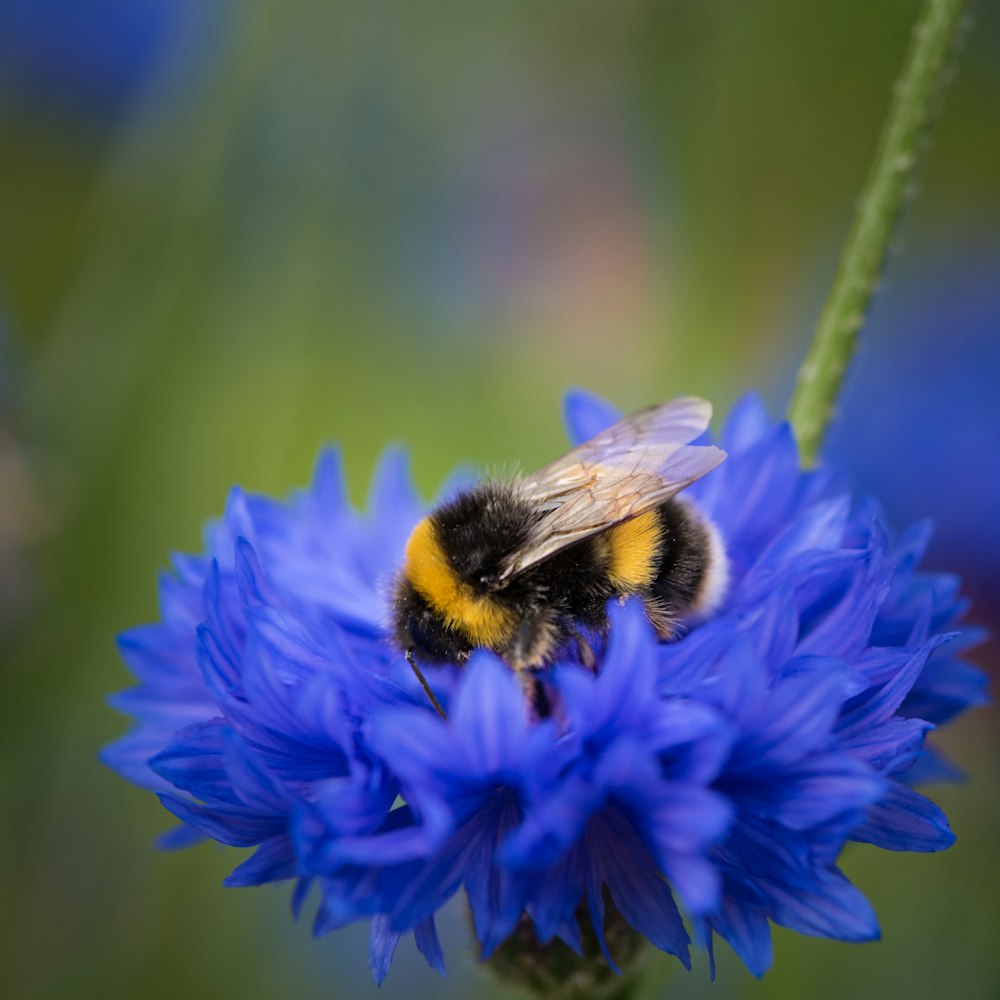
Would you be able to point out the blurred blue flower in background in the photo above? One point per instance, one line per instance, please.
(920, 409)
(89, 60)
(724, 771)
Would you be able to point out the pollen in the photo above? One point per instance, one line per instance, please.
(481, 618)
(634, 548)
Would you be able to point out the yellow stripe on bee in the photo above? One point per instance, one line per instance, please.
(634, 549)
(479, 617)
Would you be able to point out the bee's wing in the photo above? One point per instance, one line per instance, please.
(633, 466)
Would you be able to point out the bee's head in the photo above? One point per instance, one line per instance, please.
(418, 627)
(439, 612)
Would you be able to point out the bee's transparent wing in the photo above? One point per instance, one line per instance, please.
(633, 466)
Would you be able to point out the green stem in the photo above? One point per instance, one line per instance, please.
(903, 141)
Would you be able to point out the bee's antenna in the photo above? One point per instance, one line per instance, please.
(423, 683)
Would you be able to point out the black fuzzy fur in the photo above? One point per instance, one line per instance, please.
(684, 557)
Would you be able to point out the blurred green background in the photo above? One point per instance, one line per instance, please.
(232, 231)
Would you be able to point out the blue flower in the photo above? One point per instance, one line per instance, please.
(893, 402)
(724, 771)
(89, 60)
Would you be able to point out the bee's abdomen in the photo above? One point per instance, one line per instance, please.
(634, 553)
(693, 571)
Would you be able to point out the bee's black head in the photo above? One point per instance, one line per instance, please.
(479, 528)
(417, 626)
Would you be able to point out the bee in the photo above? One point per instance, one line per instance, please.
(526, 567)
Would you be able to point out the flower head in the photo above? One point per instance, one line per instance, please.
(724, 771)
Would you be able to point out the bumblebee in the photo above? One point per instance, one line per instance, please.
(526, 567)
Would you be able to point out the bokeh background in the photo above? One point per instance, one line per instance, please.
(231, 231)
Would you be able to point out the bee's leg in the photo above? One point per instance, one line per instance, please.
(535, 695)
(662, 618)
(584, 651)
(586, 654)
(423, 683)
(534, 641)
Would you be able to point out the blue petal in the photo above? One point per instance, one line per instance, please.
(328, 491)
(497, 895)
(797, 718)
(594, 893)
(746, 424)
(945, 688)
(586, 414)
(299, 896)
(290, 644)
(171, 705)
(639, 893)
(845, 629)
(627, 681)
(824, 787)
(739, 683)
(555, 896)
(180, 592)
(221, 675)
(130, 754)
(871, 708)
(428, 945)
(889, 747)
(744, 926)
(323, 851)
(553, 824)
(238, 524)
(381, 947)
(904, 820)
(420, 748)
(765, 480)
(255, 786)
(775, 631)
(683, 819)
(697, 882)
(152, 652)
(348, 896)
(218, 618)
(301, 695)
(232, 825)
(178, 838)
(763, 849)
(272, 861)
(833, 908)
(930, 766)
(255, 589)
(853, 680)
(692, 739)
(684, 665)
(394, 510)
(911, 545)
(193, 762)
(359, 801)
(326, 839)
(490, 714)
(821, 527)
